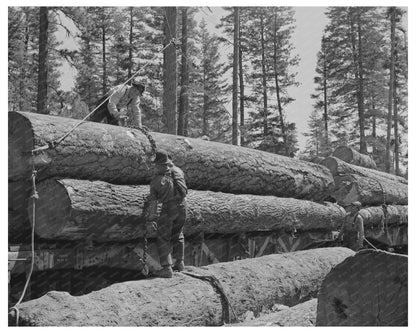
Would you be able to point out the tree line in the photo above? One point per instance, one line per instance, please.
(250, 62)
(361, 85)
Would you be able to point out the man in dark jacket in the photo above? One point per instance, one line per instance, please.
(169, 188)
(352, 230)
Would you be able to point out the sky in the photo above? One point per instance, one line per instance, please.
(310, 22)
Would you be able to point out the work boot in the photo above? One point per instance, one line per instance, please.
(179, 266)
(165, 272)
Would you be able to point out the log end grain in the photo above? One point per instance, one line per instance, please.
(368, 289)
(20, 146)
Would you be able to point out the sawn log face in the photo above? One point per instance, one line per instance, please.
(75, 209)
(368, 289)
(122, 156)
(249, 284)
(352, 156)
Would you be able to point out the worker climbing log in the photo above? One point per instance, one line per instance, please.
(248, 285)
(122, 156)
(368, 289)
(109, 212)
(350, 155)
(340, 168)
(369, 191)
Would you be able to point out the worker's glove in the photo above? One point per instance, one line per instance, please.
(151, 227)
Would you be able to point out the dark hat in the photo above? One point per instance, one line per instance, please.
(162, 157)
(139, 84)
(355, 204)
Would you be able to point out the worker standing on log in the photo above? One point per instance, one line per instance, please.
(121, 97)
(168, 187)
(351, 234)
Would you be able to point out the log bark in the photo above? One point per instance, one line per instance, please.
(368, 289)
(73, 209)
(352, 156)
(377, 216)
(340, 168)
(18, 216)
(121, 155)
(369, 191)
(249, 285)
(303, 314)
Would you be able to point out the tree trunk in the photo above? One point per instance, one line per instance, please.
(382, 217)
(183, 99)
(184, 300)
(69, 209)
(121, 155)
(360, 95)
(340, 168)
(360, 291)
(104, 58)
(391, 86)
(241, 77)
(130, 42)
(302, 314)
(369, 191)
(263, 76)
(276, 79)
(325, 87)
(396, 132)
(352, 156)
(42, 99)
(169, 72)
(236, 132)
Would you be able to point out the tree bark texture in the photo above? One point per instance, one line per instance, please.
(235, 124)
(369, 191)
(368, 289)
(183, 300)
(390, 215)
(70, 209)
(352, 156)
(42, 97)
(340, 168)
(302, 314)
(122, 156)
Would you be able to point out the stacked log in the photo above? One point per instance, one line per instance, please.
(368, 289)
(370, 187)
(352, 156)
(121, 156)
(184, 300)
(107, 212)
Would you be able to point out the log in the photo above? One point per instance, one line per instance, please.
(368, 289)
(340, 168)
(19, 194)
(350, 155)
(303, 314)
(379, 217)
(121, 155)
(184, 300)
(71, 209)
(369, 191)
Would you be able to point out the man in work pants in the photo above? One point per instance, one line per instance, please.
(121, 97)
(352, 230)
(169, 188)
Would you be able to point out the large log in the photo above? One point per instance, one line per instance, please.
(350, 155)
(303, 314)
(369, 289)
(121, 155)
(369, 191)
(19, 194)
(340, 168)
(74, 209)
(378, 216)
(248, 284)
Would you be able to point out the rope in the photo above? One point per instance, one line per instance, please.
(225, 302)
(35, 196)
(370, 243)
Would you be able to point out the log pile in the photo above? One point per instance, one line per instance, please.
(368, 289)
(185, 300)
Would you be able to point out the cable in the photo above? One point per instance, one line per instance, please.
(35, 196)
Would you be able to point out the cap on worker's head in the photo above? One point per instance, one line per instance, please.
(355, 204)
(139, 84)
(162, 157)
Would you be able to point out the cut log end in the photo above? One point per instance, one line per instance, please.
(20, 144)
